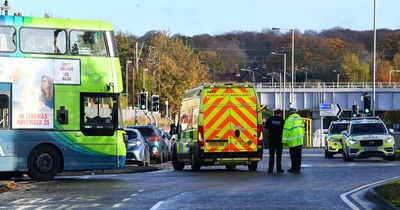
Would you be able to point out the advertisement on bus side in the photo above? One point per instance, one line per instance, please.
(33, 82)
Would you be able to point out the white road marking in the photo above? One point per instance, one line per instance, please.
(141, 191)
(158, 204)
(134, 194)
(306, 165)
(351, 204)
(117, 205)
(125, 199)
(160, 171)
(358, 200)
(303, 155)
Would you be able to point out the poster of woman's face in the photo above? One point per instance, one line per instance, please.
(32, 83)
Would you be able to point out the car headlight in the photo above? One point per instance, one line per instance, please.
(389, 140)
(352, 141)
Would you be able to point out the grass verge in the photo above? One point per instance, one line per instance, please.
(391, 192)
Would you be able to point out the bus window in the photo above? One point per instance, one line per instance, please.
(99, 113)
(112, 44)
(47, 41)
(4, 106)
(88, 43)
(7, 39)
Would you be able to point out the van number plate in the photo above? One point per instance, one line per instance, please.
(216, 144)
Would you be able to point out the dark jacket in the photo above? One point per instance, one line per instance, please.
(275, 127)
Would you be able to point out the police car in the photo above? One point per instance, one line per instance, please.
(334, 136)
(367, 137)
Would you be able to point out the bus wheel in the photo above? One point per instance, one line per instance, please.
(44, 163)
(253, 166)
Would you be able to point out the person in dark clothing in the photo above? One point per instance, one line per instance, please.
(274, 125)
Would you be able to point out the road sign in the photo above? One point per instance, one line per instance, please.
(327, 109)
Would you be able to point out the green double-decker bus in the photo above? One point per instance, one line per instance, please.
(60, 83)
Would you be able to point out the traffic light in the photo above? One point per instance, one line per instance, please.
(143, 101)
(367, 104)
(354, 110)
(155, 103)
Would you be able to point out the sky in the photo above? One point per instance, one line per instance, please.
(214, 17)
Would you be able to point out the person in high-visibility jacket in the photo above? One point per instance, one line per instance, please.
(292, 137)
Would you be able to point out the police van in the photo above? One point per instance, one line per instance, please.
(219, 124)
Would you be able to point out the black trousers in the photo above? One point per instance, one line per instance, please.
(295, 157)
(272, 151)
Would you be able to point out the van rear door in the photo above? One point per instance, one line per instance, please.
(243, 114)
(230, 119)
(217, 120)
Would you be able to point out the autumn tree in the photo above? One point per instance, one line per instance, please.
(354, 70)
(179, 69)
(383, 68)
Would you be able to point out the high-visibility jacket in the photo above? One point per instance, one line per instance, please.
(293, 131)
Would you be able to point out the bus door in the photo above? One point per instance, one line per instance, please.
(8, 150)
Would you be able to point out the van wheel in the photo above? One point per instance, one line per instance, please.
(177, 165)
(230, 167)
(44, 163)
(195, 163)
(253, 166)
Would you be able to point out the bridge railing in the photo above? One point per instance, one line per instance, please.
(328, 85)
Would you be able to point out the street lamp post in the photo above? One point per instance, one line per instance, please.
(292, 87)
(127, 62)
(284, 81)
(251, 74)
(374, 86)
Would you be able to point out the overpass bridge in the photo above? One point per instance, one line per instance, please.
(310, 95)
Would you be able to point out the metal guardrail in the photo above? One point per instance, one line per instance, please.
(329, 85)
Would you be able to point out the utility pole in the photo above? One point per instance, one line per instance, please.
(138, 53)
(127, 62)
(374, 63)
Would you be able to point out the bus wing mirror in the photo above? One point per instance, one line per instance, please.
(62, 115)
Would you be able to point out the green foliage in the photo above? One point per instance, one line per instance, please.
(124, 102)
(354, 70)
(391, 192)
